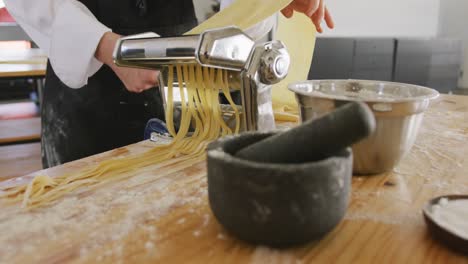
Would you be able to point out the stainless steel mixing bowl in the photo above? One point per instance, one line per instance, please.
(398, 109)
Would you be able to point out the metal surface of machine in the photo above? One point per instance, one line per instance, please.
(252, 67)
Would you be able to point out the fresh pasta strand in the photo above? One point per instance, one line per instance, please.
(199, 89)
(227, 93)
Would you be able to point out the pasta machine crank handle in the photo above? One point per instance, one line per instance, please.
(267, 65)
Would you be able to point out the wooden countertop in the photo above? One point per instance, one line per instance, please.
(22, 63)
(161, 213)
(16, 130)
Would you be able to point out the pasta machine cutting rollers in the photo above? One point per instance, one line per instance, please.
(253, 67)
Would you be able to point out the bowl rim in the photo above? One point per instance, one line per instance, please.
(216, 150)
(431, 93)
(220, 155)
(440, 232)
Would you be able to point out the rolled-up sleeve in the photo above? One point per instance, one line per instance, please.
(67, 31)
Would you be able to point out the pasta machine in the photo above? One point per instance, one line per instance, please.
(253, 67)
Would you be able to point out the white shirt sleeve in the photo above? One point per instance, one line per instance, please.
(67, 31)
(260, 29)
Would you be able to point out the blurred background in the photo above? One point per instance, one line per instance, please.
(413, 41)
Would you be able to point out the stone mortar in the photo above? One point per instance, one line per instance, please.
(276, 204)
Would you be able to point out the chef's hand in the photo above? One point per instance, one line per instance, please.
(315, 9)
(135, 80)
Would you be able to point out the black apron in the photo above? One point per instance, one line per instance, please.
(103, 115)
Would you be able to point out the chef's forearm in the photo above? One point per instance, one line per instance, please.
(105, 48)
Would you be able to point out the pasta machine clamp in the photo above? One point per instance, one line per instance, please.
(253, 68)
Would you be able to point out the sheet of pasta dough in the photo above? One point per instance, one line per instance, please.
(298, 34)
(242, 13)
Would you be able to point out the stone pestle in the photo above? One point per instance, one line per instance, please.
(315, 139)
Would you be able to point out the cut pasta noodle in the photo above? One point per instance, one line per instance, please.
(200, 111)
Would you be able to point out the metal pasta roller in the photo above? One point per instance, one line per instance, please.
(252, 67)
